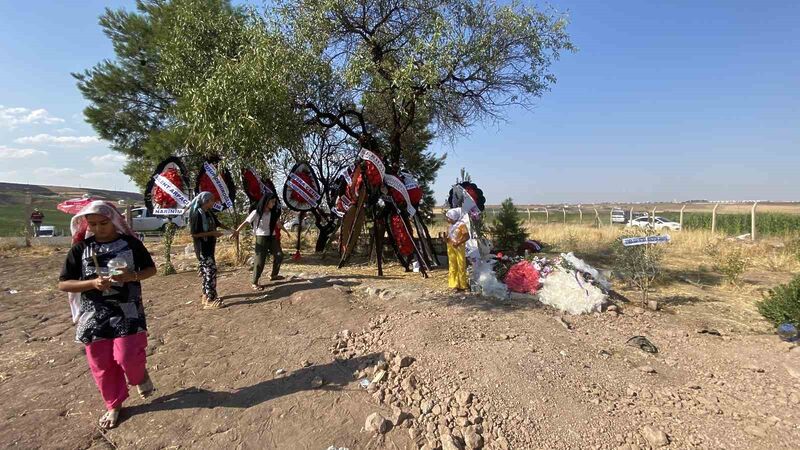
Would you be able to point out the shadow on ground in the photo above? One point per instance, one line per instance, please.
(336, 375)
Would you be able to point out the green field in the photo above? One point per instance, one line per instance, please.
(13, 199)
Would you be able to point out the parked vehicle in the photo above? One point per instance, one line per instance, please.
(46, 231)
(658, 223)
(292, 224)
(618, 216)
(144, 220)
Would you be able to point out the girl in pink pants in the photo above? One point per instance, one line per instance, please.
(102, 274)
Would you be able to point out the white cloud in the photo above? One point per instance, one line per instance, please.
(13, 117)
(49, 139)
(19, 153)
(98, 175)
(48, 172)
(65, 130)
(108, 160)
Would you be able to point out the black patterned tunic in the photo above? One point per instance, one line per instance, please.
(118, 311)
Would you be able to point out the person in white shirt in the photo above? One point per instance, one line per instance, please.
(265, 222)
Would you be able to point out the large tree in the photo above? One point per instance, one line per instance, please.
(454, 62)
(387, 75)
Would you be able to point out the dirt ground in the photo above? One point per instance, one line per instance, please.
(481, 373)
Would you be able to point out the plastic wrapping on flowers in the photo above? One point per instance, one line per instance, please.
(485, 282)
(522, 277)
(568, 291)
(582, 266)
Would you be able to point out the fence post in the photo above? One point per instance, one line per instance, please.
(529, 214)
(630, 219)
(580, 215)
(681, 220)
(714, 219)
(129, 215)
(610, 216)
(28, 226)
(653, 217)
(564, 210)
(753, 222)
(597, 216)
(546, 215)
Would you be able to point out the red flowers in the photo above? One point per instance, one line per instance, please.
(522, 277)
(251, 185)
(401, 236)
(160, 197)
(207, 185)
(373, 175)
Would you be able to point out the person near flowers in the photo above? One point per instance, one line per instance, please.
(457, 236)
(107, 305)
(203, 224)
(266, 224)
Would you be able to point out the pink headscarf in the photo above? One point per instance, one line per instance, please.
(80, 228)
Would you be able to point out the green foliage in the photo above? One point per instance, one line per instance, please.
(640, 265)
(507, 231)
(782, 303)
(731, 262)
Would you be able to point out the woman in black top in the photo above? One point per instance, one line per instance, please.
(203, 224)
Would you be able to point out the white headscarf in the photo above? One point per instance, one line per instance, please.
(80, 229)
(457, 216)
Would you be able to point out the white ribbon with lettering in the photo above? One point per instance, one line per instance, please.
(410, 182)
(373, 158)
(395, 183)
(167, 186)
(308, 193)
(221, 189)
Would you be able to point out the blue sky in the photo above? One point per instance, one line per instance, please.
(664, 100)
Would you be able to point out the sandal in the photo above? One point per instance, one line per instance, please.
(277, 277)
(203, 300)
(146, 388)
(109, 419)
(213, 304)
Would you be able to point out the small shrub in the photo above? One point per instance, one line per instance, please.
(639, 264)
(571, 241)
(782, 303)
(731, 263)
(777, 261)
(507, 231)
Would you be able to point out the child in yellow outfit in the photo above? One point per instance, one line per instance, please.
(457, 236)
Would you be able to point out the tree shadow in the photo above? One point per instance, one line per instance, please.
(696, 277)
(286, 289)
(336, 375)
(678, 300)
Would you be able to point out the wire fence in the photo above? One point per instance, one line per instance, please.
(735, 219)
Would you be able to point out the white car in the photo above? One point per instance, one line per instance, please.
(292, 224)
(658, 223)
(46, 231)
(617, 216)
(144, 220)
